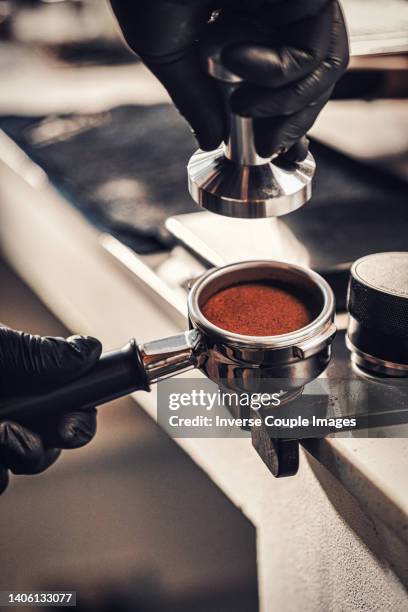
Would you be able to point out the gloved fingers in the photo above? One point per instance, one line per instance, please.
(77, 428)
(164, 34)
(4, 479)
(29, 361)
(253, 101)
(49, 458)
(22, 451)
(196, 96)
(71, 430)
(277, 133)
(257, 102)
(290, 54)
(297, 152)
(160, 31)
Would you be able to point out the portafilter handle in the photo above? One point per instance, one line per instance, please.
(117, 373)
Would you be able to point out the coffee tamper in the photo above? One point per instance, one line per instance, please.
(234, 180)
(377, 301)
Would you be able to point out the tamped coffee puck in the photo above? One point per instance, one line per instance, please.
(377, 302)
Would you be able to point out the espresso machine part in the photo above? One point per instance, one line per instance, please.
(234, 180)
(240, 362)
(377, 302)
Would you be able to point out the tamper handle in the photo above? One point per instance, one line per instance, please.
(240, 146)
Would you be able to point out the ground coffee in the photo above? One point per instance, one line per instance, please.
(257, 309)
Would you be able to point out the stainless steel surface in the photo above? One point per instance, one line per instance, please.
(244, 362)
(240, 146)
(312, 236)
(234, 180)
(167, 356)
(309, 347)
(250, 192)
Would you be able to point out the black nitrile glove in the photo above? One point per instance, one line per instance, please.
(35, 364)
(290, 54)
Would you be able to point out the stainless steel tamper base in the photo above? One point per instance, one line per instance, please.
(227, 188)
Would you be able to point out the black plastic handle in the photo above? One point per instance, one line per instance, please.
(117, 373)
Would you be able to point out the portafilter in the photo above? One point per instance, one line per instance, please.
(228, 359)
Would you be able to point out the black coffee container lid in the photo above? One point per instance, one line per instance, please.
(377, 303)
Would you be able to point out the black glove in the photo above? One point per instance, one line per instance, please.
(289, 52)
(30, 364)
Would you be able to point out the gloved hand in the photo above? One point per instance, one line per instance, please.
(30, 364)
(289, 52)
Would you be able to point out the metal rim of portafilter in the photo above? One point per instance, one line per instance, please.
(298, 355)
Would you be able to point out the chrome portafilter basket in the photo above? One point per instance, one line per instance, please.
(242, 363)
(245, 363)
